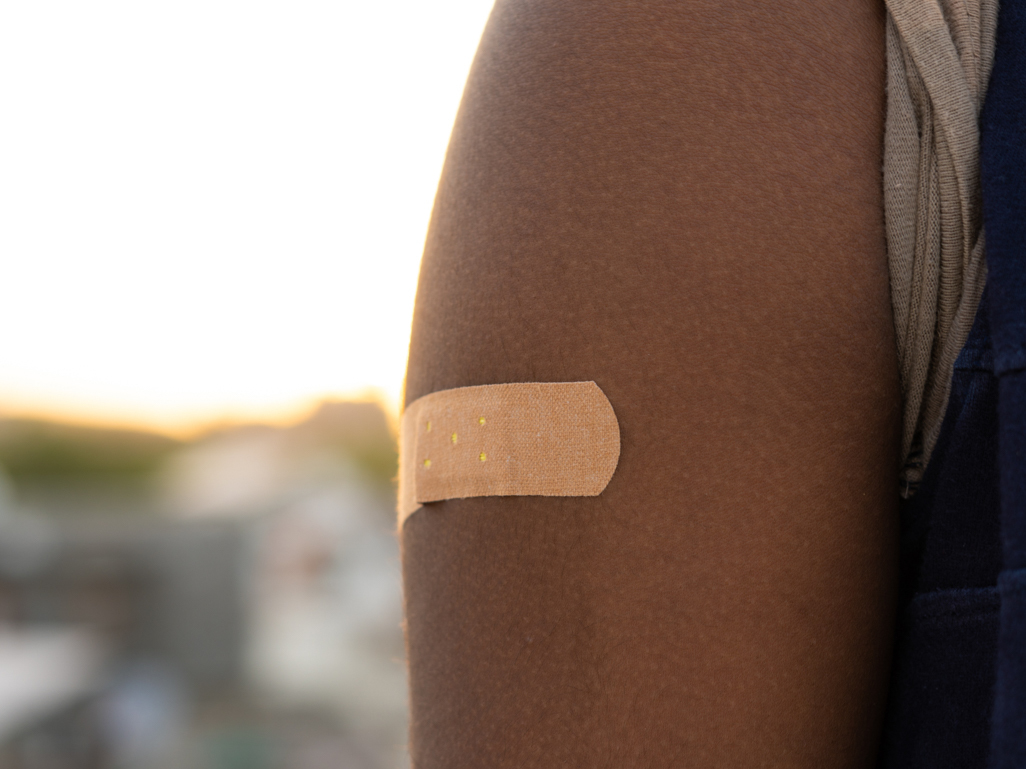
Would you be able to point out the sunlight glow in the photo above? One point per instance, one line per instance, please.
(215, 209)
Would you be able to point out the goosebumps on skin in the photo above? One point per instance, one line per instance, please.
(680, 200)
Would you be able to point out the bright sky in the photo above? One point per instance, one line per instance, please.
(215, 209)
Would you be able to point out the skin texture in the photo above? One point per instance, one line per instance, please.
(682, 202)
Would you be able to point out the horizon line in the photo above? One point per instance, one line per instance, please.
(185, 426)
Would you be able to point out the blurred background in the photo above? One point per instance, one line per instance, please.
(211, 220)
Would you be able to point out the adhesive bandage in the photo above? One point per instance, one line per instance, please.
(534, 438)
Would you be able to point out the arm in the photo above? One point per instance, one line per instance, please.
(682, 202)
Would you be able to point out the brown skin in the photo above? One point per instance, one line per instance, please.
(680, 200)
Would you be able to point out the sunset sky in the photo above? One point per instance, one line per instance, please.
(214, 209)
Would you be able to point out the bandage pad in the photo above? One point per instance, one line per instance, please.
(556, 439)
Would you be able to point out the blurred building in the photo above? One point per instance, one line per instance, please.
(236, 603)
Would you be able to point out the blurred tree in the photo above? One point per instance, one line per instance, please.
(60, 467)
(35, 450)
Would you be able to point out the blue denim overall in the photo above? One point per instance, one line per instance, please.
(958, 687)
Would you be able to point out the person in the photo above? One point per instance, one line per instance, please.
(682, 202)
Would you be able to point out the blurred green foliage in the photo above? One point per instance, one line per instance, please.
(35, 451)
(379, 463)
(53, 464)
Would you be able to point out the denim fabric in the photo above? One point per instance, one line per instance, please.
(1003, 165)
(958, 687)
(942, 684)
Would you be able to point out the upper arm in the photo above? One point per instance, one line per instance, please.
(680, 201)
